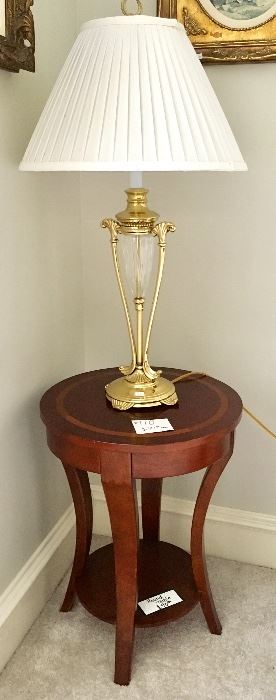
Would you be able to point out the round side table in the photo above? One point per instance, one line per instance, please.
(88, 435)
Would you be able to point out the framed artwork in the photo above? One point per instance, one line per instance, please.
(17, 36)
(227, 31)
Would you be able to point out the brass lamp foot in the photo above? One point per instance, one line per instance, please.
(125, 394)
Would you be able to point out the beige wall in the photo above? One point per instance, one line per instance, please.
(217, 309)
(40, 299)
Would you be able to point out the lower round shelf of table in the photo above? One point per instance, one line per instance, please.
(162, 567)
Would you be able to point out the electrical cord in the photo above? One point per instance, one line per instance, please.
(200, 375)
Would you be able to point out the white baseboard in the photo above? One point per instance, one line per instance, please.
(230, 534)
(26, 596)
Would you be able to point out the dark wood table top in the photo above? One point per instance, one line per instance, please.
(77, 407)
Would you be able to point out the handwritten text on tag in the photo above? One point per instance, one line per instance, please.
(159, 602)
(144, 427)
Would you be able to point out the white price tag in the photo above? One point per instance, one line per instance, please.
(159, 602)
(144, 427)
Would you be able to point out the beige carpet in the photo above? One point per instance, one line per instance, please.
(71, 656)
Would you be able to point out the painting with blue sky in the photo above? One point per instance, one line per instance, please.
(243, 10)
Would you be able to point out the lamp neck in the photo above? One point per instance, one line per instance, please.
(136, 179)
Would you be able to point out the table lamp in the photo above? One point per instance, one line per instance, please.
(133, 96)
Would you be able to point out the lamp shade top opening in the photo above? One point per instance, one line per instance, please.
(132, 20)
(133, 96)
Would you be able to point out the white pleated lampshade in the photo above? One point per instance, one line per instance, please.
(133, 96)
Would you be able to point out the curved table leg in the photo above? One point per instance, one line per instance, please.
(151, 508)
(81, 494)
(208, 485)
(120, 493)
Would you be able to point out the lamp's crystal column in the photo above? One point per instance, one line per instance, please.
(138, 257)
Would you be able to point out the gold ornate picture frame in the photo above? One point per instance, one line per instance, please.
(17, 35)
(227, 31)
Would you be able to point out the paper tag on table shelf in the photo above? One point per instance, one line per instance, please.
(143, 427)
(159, 602)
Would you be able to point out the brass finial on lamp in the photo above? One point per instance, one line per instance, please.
(124, 8)
(133, 96)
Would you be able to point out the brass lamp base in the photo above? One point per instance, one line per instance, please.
(141, 386)
(124, 393)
